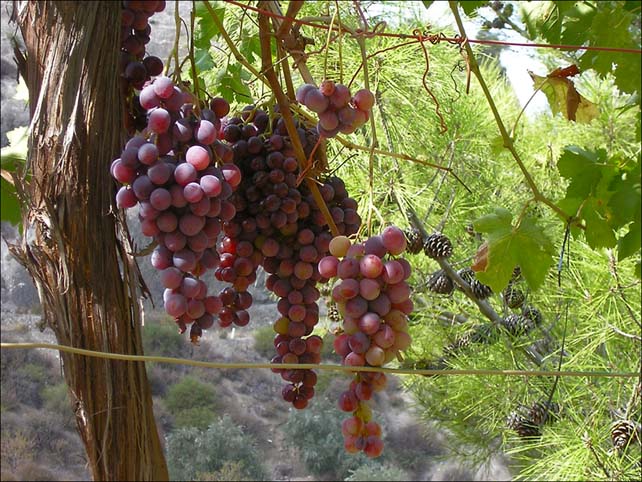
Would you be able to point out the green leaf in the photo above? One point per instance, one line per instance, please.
(523, 245)
(470, 6)
(206, 28)
(250, 47)
(9, 206)
(203, 59)
(428, 3)
(599, 233)
(493, 222)
(630, 243)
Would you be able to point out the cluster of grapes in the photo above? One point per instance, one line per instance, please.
(169, 169)
(135, 68)
(373, 298)
(278, 225)
(338, 111)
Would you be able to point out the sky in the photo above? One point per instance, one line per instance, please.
(516, 60)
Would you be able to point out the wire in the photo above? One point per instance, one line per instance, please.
(310, 366)
(437, 38)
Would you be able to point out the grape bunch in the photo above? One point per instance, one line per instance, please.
(135, 68)
(338, 111)
(373, 298)
(170, 170)
(279, 226)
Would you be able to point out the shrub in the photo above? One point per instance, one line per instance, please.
(34, 471)
(16, 448)
(231, 470)
(56, 399)
(377, 471)
(193, 452)
(199, 417)
(162, 339)
(190, 394)
(264, 341)
(23, 374)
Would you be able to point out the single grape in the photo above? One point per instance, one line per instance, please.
(159, 120)
(363, 100)
(198, 157)
(315, 101)
(163, 87)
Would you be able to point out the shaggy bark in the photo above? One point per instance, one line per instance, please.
(75, 243)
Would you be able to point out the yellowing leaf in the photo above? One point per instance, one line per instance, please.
(563, 97)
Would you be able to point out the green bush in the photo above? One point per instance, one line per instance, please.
(316, 433)
(35, 372)
(24, 372)
(191, 402)
(161, 338)
(56, 399)
(376, 471)
(199, 417)
(193, 452)
(264, 341)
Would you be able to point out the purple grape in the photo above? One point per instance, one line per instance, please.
(160, 199)
(171, 277)
(185, 260)
(315, 101)
(205, 133)
(159, 120)
(163, 87)
(125, 198)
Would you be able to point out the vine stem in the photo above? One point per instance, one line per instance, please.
(508, 141)
(177, 35)
(310, 366)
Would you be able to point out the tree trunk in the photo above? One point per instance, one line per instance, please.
(75, 243)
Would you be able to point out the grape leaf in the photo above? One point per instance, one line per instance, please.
(523, 245)
(604, 195)
(629, 244)
(563, 97)
(206, 29)
(203, 60)
(9, 206)
(470, 6)
(591, 23)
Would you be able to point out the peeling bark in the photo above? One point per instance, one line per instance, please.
(75, 243)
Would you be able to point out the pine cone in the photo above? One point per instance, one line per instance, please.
(438, 246)
(440, 283)
(333, 312)
(517, 274)
(460, 342)
(480, 290)
(522, 425)
(533, 314)
(517, 325)
(513, 297)
(468, 275)
(624, 433)
(543, 412)
(485, 333)
(415, 240)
